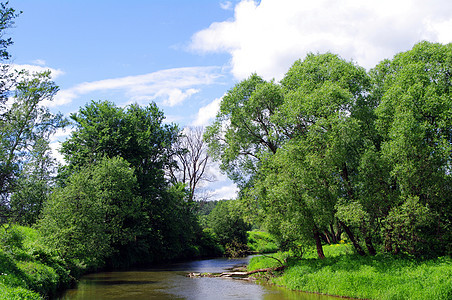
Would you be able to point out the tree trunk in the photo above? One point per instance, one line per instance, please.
(368, 240)
(370, 246)
(326, 237)
(318, 244)
(333, 237)
(351, 236)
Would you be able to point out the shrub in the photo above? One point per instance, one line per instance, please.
(40, 278)
(261, 242)
(228, 226)
(17, 293)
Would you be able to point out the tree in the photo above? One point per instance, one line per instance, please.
(138, 135)
(134, 133)
(415, 94)
(33, 185)
(328, 107)
(95, 213)
(243, 131)
(7, 79)
(333, 148)
(229, 227)
(315, 164)
(191, 161)
(25, 128)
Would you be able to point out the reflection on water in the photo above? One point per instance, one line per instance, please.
(170, 282)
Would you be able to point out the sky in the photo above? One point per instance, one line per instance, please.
(184, 55)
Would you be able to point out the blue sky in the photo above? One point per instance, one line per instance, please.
(185, 54)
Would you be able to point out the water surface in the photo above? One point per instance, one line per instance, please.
(171, 282)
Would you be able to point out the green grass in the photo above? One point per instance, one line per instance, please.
(27, 269)
(379, 277)
(261, 262)
(261, 242)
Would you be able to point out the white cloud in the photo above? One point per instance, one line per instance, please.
(55, 146)
(38, 69)
(39, 62)
(62, 133)
(225, 192)
(172, 119)
(171, 86)
(175, 96)
(226, 5)
(207, 113)
(214, 169)
(267, 37)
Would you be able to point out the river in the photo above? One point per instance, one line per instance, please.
(171, 282)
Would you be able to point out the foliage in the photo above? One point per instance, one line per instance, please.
(137, 134)
(166, 227)
(96, 211)
(228, 227)
(404, 228)
(333, 148)
(261, 242)
(28, 269)
(297, 187)
(25, 133)
(243, 132)
(205, 207)
(227, 224)
(351, 275)
(414, 122)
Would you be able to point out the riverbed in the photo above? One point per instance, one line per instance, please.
(170, 282)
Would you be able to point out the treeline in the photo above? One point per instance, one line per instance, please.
(332, 150)
(111, 204)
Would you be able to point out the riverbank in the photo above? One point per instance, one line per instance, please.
(31, 270)
(28, 270)
(343, 273)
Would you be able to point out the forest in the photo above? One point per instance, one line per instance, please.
(331, 154)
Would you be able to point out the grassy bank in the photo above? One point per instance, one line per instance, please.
(27, 269)
(381, 277)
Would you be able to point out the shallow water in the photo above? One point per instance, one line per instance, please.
(170, 282)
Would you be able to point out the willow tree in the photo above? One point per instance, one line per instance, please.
(414, 121)
(292, 142)
(25, 131)
(243, 131)
(324, 95)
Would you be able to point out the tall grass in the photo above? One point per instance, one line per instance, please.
(27, 269)
(378, 277)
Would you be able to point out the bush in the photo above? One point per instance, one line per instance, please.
(40, 278)
(17, 293)
(227, 224)
(28, 270)
(261, 242)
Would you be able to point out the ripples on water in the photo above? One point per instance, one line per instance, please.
(170, 282)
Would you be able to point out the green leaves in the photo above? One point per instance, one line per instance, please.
(243, 131)
(95, 212)
(25, 133)
(345, 143)
(134, 133)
